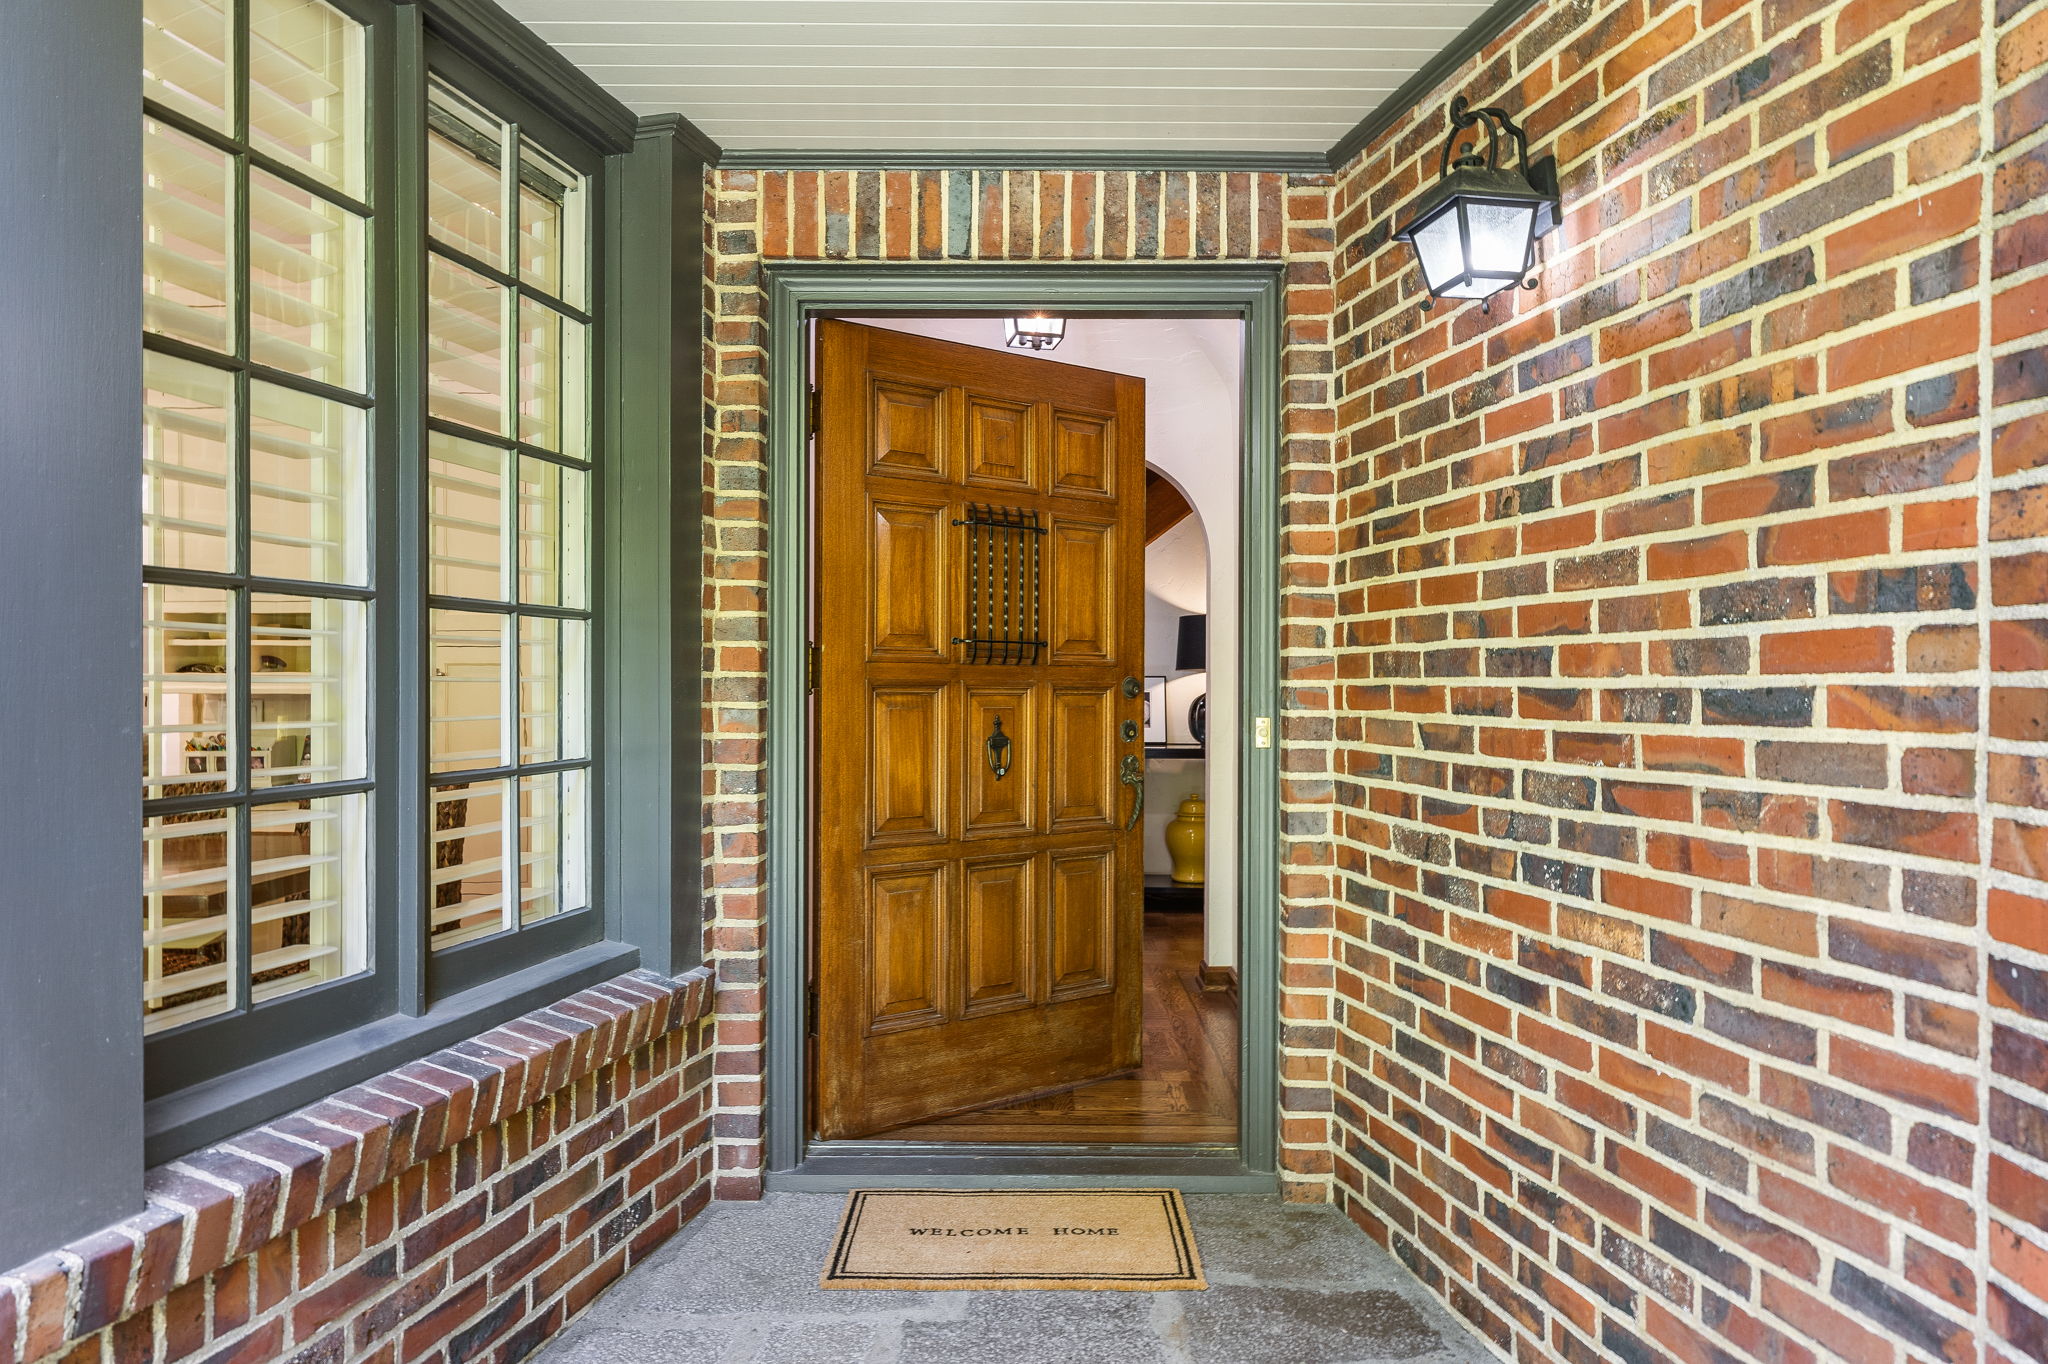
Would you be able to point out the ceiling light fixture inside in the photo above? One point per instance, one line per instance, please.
(1034, 333)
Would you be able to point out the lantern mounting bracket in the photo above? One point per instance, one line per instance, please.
(1540, 173)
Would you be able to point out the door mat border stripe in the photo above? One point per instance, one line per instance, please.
(1187, 1257)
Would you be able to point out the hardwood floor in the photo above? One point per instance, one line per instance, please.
(1186, 1090)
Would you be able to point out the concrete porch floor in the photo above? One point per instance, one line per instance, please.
(1288, 1285)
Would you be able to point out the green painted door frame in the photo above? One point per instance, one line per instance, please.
(798, 294)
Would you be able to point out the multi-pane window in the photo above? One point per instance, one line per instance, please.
(508, 496)
(256, 481)
(367, 622)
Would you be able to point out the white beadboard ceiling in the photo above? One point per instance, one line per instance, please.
(1040, 75)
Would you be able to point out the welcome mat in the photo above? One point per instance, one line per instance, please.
(1123, 1239)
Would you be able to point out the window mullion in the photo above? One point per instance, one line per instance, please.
(509, 745)
(312, 184)
(445, 427)
(176, 805)
(508, 179)
(440, 603)
(240, 273)
(197, 129)
(402, 680)
(241, 890)
(476, 266)
(238, 83)
(508, 364)
(508, 327)
(287, 587)
(277, 378)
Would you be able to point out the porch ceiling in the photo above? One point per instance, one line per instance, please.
(1040, 75)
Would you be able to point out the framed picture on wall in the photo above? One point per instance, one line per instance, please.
(1155, 710)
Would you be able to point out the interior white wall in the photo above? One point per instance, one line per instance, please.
(1192, 369)
(1176, 585)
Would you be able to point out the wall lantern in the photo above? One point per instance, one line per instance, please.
(1033, 333)
(1475, 230)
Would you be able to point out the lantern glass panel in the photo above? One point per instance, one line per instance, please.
(1500, 236)
(1439, 250)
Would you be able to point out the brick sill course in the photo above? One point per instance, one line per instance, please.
(218, 1204)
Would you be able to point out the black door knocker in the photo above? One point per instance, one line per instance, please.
(999, 751)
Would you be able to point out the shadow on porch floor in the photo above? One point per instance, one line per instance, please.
(1288, 1285)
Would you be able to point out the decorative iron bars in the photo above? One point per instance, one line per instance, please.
(1002, 584)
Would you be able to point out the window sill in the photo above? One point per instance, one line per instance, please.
(179, 1123)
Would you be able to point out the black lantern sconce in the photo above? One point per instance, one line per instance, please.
(1475, 230)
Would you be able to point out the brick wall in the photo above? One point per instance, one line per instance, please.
(1689, 989)
(463, 1207)
(2015, 373)
(1048, 217)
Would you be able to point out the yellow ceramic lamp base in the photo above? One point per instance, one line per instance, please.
(1187, 837)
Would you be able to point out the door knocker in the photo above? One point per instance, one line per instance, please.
(998, 748)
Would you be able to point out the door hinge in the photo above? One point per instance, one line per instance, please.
(811, 1010)
(814, 664)
(816, 411)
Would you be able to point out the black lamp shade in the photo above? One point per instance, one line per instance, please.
(1193, 650)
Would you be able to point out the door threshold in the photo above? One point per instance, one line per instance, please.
(837, 1166)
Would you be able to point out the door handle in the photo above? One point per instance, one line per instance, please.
(1133, 776)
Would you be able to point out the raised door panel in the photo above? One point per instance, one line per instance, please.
(906, 555)
(999, 806)
(907, 430)
(996, 938)
(1082, 934)
(1083, 455)
(1001, 452)
(907, 793)
(1081, 592)
(905, 946)
(1081, 756)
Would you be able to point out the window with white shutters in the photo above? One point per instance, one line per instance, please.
(368, 474)
(508, 578)
(256, 470)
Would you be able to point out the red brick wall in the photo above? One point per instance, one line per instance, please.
(463, 1207)
(2016, 714)
(1158, 218)
(1690, 997)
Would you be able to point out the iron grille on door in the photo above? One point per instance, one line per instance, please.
(1002, 584)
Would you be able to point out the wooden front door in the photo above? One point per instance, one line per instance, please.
(980, 609)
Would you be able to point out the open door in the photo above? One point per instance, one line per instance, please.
(980, 597)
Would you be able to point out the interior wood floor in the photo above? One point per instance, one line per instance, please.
(1185, 1091)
